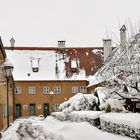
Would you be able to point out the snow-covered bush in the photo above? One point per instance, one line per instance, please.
(108, 102)
(121, 123)
(29, 130)
(60, 116)
(101, 93)
(79, 102)
(112, 105)
(88, 116)
(80, 116)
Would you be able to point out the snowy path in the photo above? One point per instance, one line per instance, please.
(53, 129)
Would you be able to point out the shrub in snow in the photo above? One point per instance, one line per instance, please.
(60, 116)
(79, 102)
(80, 116)
(112, 105)
(28, 130)
(101, 93)
(88, 116)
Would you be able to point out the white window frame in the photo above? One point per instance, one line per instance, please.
(57, 89)
(5, 113)
(83, 89)
(32, 90)
(46, 90)
(74, 89)
(56, 107)
(18, 90)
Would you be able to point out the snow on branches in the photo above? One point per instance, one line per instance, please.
(121, 70)
(79, 102)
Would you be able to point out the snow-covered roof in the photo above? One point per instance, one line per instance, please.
(22, 61)
(45, 60)
(94, 80)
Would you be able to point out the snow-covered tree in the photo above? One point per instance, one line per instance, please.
(121, 70)
(107, 102)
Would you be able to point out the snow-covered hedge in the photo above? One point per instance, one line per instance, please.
(79, 102)
(88, 116)
(126, 124)
(80, 116)
(60, 116)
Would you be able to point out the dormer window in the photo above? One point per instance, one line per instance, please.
(35, 64)
(74, 65)
(35, 69)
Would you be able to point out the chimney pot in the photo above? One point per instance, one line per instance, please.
(107, 44)
(12, 41)
(123, 37)
(61, 44)
(123, 28)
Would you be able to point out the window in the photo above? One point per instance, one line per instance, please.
(83, 89)
(46, 90)
(137, 105)
(57, 89)
(74, 89)
(92, 91)
(32, 90)
(35, 64)
(18, 90)
(35, 69)
(56, 107)
(5, 110)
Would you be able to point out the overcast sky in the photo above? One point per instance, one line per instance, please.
(79, 22)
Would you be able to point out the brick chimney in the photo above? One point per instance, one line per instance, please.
(12, 41)
(107, 44)
(123, 37)
(61, 44)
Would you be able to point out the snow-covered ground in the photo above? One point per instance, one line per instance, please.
(35, 128)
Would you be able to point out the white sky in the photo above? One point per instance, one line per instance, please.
(79, 22)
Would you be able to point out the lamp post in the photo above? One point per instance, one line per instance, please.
(8, 69)
(51, 96)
